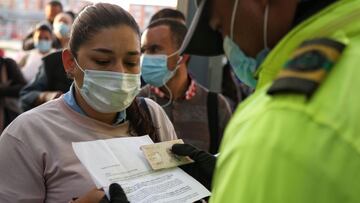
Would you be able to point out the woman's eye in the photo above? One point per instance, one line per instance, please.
(102, 62)
(131, 64)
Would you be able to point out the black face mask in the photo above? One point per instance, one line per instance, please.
(309, 8)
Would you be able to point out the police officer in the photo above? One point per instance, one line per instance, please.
(296, 139)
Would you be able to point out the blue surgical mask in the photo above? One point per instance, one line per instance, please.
(108, 91)
(62, 29)
(43, 45)
(244, 66)
(154, 69)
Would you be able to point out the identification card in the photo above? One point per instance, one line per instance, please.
(159, 155)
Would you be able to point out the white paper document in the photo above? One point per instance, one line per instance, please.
(120, 160)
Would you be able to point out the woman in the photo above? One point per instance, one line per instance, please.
(36, 156)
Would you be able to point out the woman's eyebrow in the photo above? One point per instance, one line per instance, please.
(109, 51)
(133, 53)
(103, 50)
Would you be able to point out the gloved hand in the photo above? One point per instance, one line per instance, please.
(117, 195)
(204, 163)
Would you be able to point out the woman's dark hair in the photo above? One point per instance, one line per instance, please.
(90, 21)
(140, 121)
(94, 18)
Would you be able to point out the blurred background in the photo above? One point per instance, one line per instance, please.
(18, 17)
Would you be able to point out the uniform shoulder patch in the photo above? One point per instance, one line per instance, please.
(308, 67)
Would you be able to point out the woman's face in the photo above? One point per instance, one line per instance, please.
(114, 49)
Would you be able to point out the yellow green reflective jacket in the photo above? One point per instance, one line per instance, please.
(287, 148)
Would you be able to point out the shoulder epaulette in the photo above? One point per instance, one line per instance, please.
(307, 68)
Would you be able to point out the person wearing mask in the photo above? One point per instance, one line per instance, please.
(166, 13)
(62, 26)
(31, 62)
(52, 8)
(37, 160)
(230, 89)
(295, 139)
(199, 116)
(51, 81)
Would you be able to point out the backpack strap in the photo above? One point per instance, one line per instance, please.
(213, 121)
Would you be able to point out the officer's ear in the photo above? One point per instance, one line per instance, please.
(68, 62)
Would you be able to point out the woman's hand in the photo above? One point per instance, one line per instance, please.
(93, 196)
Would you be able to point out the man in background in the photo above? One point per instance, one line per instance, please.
(199, 116)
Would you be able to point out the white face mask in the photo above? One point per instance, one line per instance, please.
(108, 91)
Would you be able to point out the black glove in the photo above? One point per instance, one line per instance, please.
(203, 167)
(117, 195)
